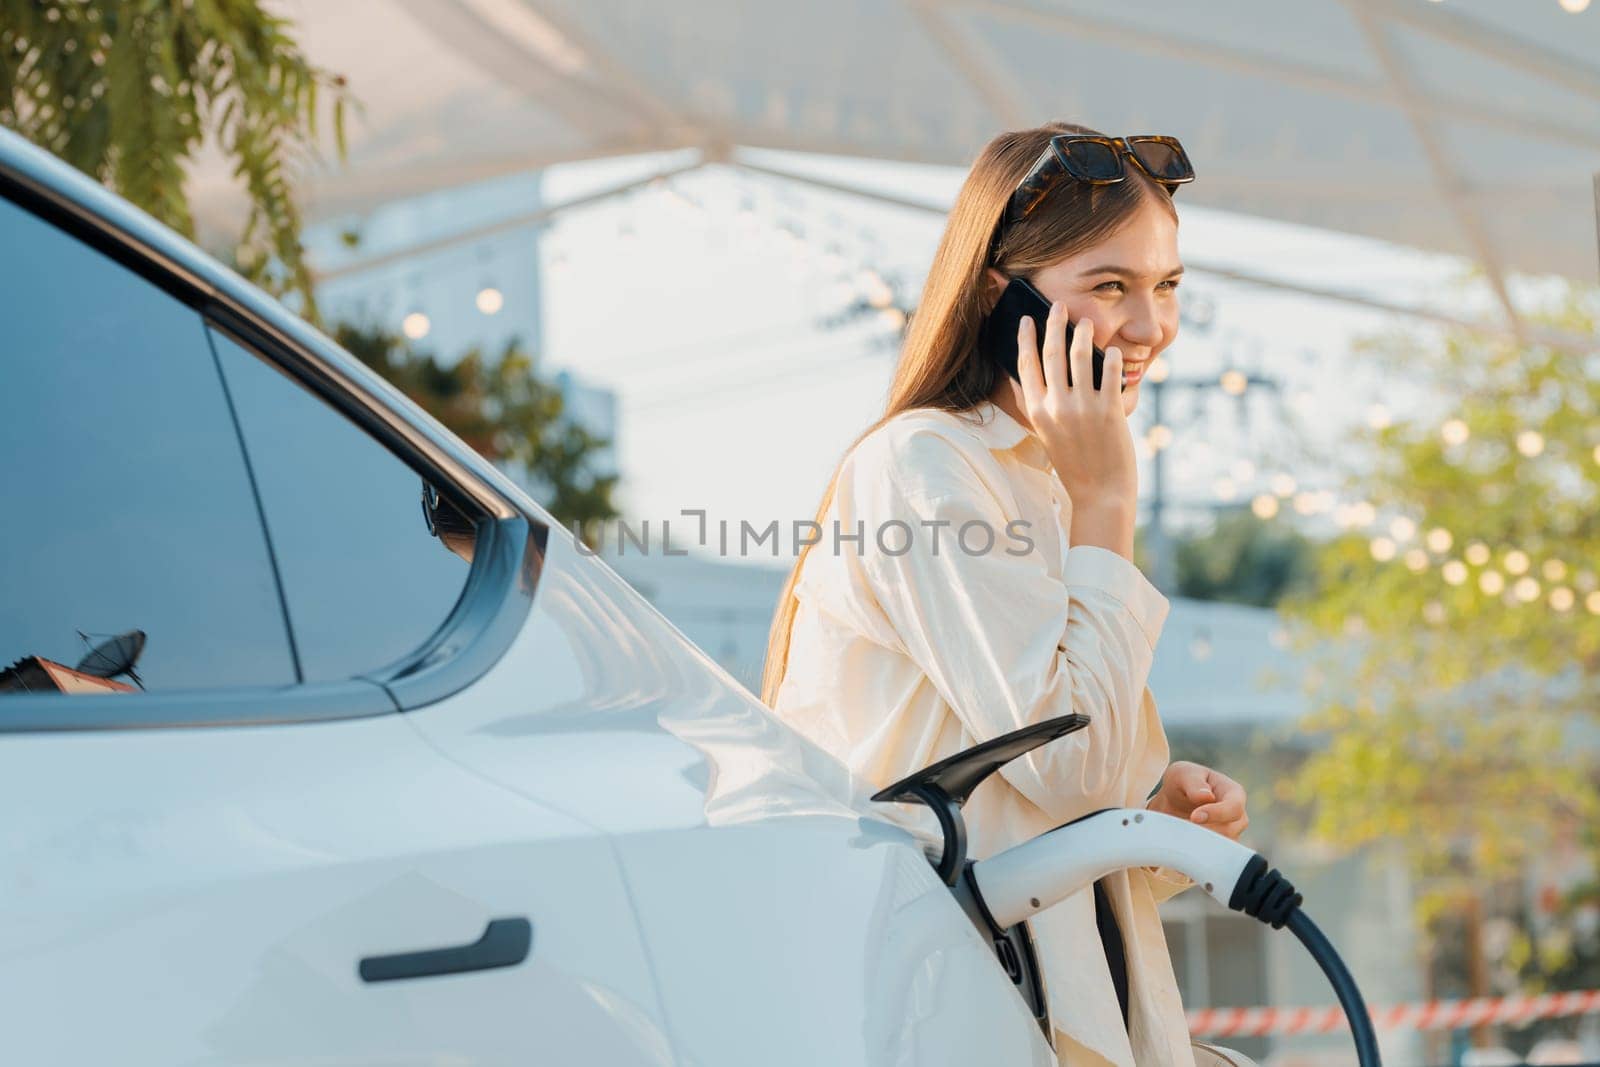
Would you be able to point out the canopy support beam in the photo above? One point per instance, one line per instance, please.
(1407, 95)
(499, 226)
(1239, 61)
(1466, 32)
(1003, 100)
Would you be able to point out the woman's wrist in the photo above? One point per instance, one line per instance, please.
(1106, 524)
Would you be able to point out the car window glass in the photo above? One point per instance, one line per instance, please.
(365, 581)
(130, 508)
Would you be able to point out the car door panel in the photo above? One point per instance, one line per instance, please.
(205, 896)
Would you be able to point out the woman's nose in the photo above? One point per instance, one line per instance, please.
(1143, 328)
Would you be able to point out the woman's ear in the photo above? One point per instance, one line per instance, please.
(994, 283)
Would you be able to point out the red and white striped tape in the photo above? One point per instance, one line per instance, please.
(1427, 1015)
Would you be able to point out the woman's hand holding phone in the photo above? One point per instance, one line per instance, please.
(1084, 430)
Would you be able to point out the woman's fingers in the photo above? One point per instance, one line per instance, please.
(1224, 786)
(1223, 810)
(1231, 830)
(1078, 355)
(1191, 781)
(1055, 349)
(1029, 372)
(1228, 808)
(1060, 360)
(1204, 796)
(1111, 380)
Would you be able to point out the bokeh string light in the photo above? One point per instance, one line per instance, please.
(1517, 579)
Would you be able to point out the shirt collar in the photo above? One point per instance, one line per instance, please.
(1001, 433)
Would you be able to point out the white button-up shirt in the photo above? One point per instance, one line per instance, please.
(960, 613)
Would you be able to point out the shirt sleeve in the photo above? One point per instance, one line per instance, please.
(1166, 883)
(1005, 643)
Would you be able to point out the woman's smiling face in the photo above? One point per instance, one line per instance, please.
(1127, 285)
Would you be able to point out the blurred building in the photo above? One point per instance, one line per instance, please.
(452, 270)
(402, 264)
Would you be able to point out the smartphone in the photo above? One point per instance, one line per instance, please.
(997, 340)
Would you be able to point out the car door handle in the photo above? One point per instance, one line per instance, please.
(505, 943)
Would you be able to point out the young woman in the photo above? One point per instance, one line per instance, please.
(975, 574)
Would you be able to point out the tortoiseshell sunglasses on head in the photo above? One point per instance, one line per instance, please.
(1098, 160)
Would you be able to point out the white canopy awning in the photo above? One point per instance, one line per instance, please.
(1464, 126)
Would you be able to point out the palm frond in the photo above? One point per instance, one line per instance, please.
(129, 91)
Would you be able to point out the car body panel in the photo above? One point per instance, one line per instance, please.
(785, 921)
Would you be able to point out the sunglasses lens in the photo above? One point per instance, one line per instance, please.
(1092, 161)
(1164, 161)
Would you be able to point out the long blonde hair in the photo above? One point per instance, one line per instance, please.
(938, 367)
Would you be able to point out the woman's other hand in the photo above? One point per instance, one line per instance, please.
(1203, 796)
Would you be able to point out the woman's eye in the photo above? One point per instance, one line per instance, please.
(1108, 287)
(1168, 283)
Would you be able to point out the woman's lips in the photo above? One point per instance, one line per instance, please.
(1132, 373)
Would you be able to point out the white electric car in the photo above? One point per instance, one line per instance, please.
(284, 779)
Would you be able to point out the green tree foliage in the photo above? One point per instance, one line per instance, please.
(1244, 560)
(505, 410)
(1458, 682)
(128, 91)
